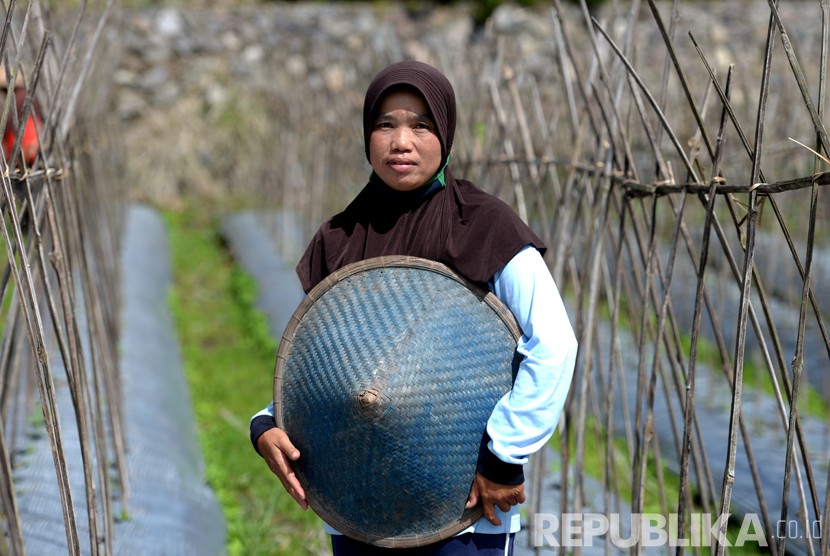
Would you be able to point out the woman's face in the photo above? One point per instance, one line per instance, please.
(404, 149)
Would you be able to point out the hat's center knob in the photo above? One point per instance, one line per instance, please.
(368, 397)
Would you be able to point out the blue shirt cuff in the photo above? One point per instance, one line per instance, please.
(259, 425)
(493, 469)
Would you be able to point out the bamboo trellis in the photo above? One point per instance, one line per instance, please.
(684, 219)
(61, 227)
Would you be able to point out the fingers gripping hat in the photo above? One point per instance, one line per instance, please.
(433, 86)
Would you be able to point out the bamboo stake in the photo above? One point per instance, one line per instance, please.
(584, 363)
(615, 369)
(784, 186)
(69, 113)
(638, 80)
(799, 76)
(8, 498)
(762, 295)
(798, 363)
(634, 189)
(46, 387)
(682, 76)
(746, 284)
(696, 319)
(72, 362)
(825, 39)
(798, 360)
(53, 112)
(580, 81)
(527, 144)
(566, 75)
(518, 190)
(825, 524)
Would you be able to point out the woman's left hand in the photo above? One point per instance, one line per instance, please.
(493, 494)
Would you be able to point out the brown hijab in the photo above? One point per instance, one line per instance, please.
(433, 86)
(453, 222)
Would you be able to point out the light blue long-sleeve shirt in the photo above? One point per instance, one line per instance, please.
(526, 417)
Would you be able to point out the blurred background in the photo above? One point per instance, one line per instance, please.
(165, 164)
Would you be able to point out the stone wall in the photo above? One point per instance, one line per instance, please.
(186, 75)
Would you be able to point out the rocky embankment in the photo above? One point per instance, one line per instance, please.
(183, 72)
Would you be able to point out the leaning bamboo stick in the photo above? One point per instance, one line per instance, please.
(746, 281)
(23, 281)
(696, 319)
(763, 297)
(825, 524)
(798, 360)
(795, 65)
(8, 499)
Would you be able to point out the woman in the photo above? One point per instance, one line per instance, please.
(414, 206)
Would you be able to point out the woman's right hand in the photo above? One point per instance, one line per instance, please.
(279, 452)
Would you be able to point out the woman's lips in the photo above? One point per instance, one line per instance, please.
(401, 165)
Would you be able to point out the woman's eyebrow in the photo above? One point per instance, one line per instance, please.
(389, 116)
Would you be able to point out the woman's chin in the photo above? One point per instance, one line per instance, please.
(403, 185)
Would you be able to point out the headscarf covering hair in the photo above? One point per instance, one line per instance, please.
(457, 224)
(433, 86)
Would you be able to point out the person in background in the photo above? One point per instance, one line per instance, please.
(29, 143)
(413, 205)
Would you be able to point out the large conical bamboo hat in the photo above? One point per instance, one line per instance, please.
(385, 379)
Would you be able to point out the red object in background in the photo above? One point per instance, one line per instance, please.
(29, 145)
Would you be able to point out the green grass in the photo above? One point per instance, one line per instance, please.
(228, 359)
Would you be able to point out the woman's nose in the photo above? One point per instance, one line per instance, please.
(401, 139)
